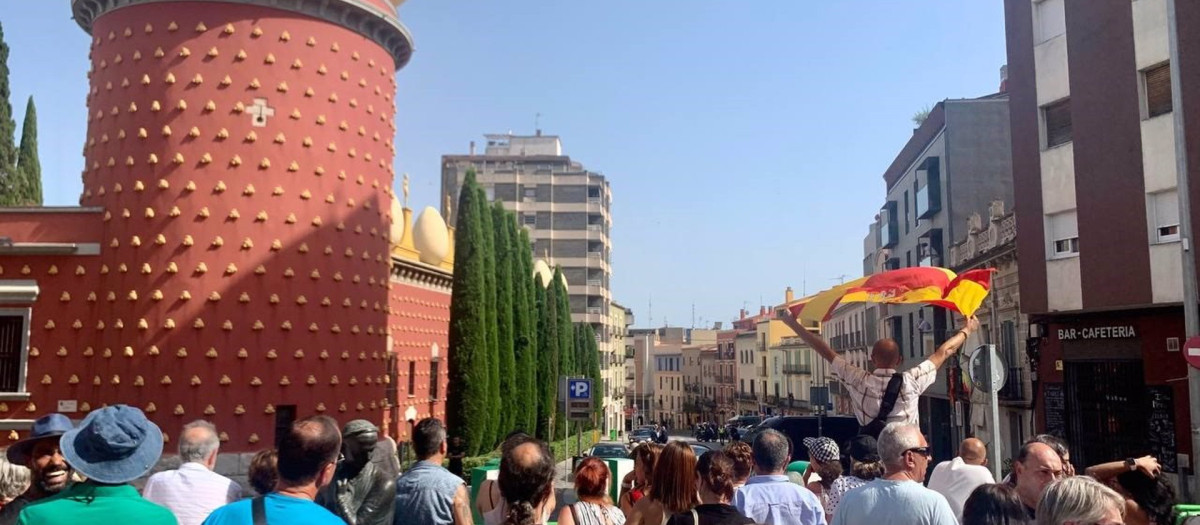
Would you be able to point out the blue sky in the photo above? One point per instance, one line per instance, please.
(744, 141)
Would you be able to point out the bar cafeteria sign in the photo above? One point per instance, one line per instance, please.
(1096, 332)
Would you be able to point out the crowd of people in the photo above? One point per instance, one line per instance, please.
(322, 475)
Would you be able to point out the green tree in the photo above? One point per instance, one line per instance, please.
(29, 167)
(547, 377)
(592, 357)
(492, 341)
(525, 325)
(467, 402)
(566, 337)
(506, 333)
(8, 152)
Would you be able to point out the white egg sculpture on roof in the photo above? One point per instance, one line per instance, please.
(397, 231)
(430, 237)
(541, 269)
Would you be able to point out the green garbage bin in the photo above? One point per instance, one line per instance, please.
(612, 435)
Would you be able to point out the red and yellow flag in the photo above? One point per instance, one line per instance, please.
(921, 285)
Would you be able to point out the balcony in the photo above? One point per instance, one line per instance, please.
(595, 227)
(795, 370)
(798, 404)
(1014, 387)
(747, 396)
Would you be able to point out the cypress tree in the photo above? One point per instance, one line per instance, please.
(566, 338)
(547, 378)
(529, 309)
(467, 402)
(29, 167)
(489, 249)
(525, 326)
(592, 353)
(566, 332)
(506, 333)
(8, 152)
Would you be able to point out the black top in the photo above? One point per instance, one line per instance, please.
(8, 516)
(712, 514)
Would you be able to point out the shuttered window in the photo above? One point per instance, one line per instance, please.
(12, 348)
(1057, 118)
(1158, 90)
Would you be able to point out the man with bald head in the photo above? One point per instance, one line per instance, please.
(957, 478)
(885, 395)
(1036, 466)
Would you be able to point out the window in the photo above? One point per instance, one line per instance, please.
(529, 192)
(1156, 85)
(1056, 118)
(433, 380)
(887, 225)
(1049, 20)
(491, 192)
(412, 378)
(529, 219)
(1062, 232)
(1165, 207)
(13, 349)
(906, 221)
(929, 193)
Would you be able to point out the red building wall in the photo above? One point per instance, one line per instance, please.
(241, 267)
(419, 322)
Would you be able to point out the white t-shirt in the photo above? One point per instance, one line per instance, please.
(956, 480)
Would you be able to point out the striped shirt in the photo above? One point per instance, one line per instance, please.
(191, 492)
(867, 389)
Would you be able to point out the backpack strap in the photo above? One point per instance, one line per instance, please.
(886, 405)
(695, 517)
(258, 510)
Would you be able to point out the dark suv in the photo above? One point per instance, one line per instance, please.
(838, 428)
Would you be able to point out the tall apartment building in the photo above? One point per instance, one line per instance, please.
(1097, 220)
(564, 206)
(954, 165)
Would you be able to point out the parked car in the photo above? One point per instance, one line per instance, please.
(744, 423)
(699, 449)
(839, 428)
(608, 450)
(641, 435)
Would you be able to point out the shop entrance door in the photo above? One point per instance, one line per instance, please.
(1106, 410)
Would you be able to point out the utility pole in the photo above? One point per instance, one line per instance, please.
(1191, 316)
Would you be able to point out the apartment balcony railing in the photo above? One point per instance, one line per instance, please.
(747, 396)
(800, 404)
(762, 371)
(726, 380)
(797, 369)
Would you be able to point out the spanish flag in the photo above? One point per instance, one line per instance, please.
(921, 285)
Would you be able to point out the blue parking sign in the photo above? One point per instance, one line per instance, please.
(579, 388)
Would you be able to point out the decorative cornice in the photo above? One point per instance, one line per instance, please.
(421, 274)
(356, 15)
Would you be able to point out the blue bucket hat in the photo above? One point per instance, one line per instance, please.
(115, 444)
(49, 426)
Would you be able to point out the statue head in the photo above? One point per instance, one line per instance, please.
(358, 441)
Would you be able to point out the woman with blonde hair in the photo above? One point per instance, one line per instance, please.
(1080, 500)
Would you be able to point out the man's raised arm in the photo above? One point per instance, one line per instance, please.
(951, 345)
(812, 339)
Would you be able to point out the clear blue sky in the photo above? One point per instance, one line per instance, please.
(744, 141)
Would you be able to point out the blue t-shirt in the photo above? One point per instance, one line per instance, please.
(884, 502)
(279, 509)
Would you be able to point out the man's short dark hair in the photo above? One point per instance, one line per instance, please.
(307, 447)
(772, 451)
(428, 436)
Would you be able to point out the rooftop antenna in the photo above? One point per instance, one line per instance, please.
(537, 124)
(693, 316)
(841, 278)
(650, 312)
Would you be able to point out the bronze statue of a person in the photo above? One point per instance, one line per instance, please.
(360, 493)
